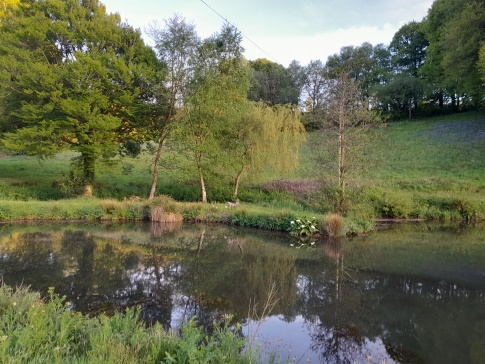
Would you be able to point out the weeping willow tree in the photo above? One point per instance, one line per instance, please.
(266, 138)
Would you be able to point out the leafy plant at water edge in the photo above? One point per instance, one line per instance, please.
(303, 228)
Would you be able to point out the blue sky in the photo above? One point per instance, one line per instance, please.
(285, 30)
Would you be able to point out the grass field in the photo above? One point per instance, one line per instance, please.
(429, 168)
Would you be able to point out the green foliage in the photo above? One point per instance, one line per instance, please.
(455, 32)
(303, 228)
(272, 83)
(35, 331)
(213, 107)
(82, 208)
(262, 221)
(72, 77)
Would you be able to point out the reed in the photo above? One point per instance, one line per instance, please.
(334, 225)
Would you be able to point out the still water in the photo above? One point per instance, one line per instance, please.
(410, 293)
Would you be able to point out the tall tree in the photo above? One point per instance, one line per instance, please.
(298, 74)
(216, 99)
(461, 41)
(315, 84)
(408, 48)
(347, 119)
(73, 77)
(455, 30)
(176, 45)
(357, 62)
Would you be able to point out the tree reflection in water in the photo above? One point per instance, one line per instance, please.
(344, 307)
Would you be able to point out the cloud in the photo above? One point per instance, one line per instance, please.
(319, 46)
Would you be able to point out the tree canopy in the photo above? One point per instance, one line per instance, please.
(71, 76)
(272, 83)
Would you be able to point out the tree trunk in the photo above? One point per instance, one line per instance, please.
(238, 180)
(88, 166)
(410, 115)
(156, 165)
(341, 163)
(202, 188)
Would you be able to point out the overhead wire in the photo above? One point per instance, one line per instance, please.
(228, 22)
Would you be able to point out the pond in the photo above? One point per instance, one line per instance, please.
(407, 293)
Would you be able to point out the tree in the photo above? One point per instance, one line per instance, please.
(272, 83)
(217, 98)
(266, 138)
(455, 30)
(461, 41)
(401, 94)
(73, 77)
(347, 119)
(176, 44)
(315, 83)
(297, 73)
(358, 62)
(408, 48)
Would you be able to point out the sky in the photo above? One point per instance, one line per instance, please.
(283, 30)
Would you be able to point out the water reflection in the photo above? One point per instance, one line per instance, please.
(407, 294)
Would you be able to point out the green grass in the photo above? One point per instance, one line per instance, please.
(37, 331)
(427, 168)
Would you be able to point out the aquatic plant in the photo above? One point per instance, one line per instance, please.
(303, 228)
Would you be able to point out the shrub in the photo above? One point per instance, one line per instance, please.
(334, 225)
(394, 205)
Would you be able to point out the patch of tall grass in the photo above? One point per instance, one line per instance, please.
(36, 331)
(164, 209)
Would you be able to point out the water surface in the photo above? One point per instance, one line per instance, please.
(411, 293)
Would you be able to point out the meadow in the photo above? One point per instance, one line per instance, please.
(431, 168)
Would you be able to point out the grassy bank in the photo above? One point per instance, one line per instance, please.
(165, 209)
(37, 331)
(429, 169)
